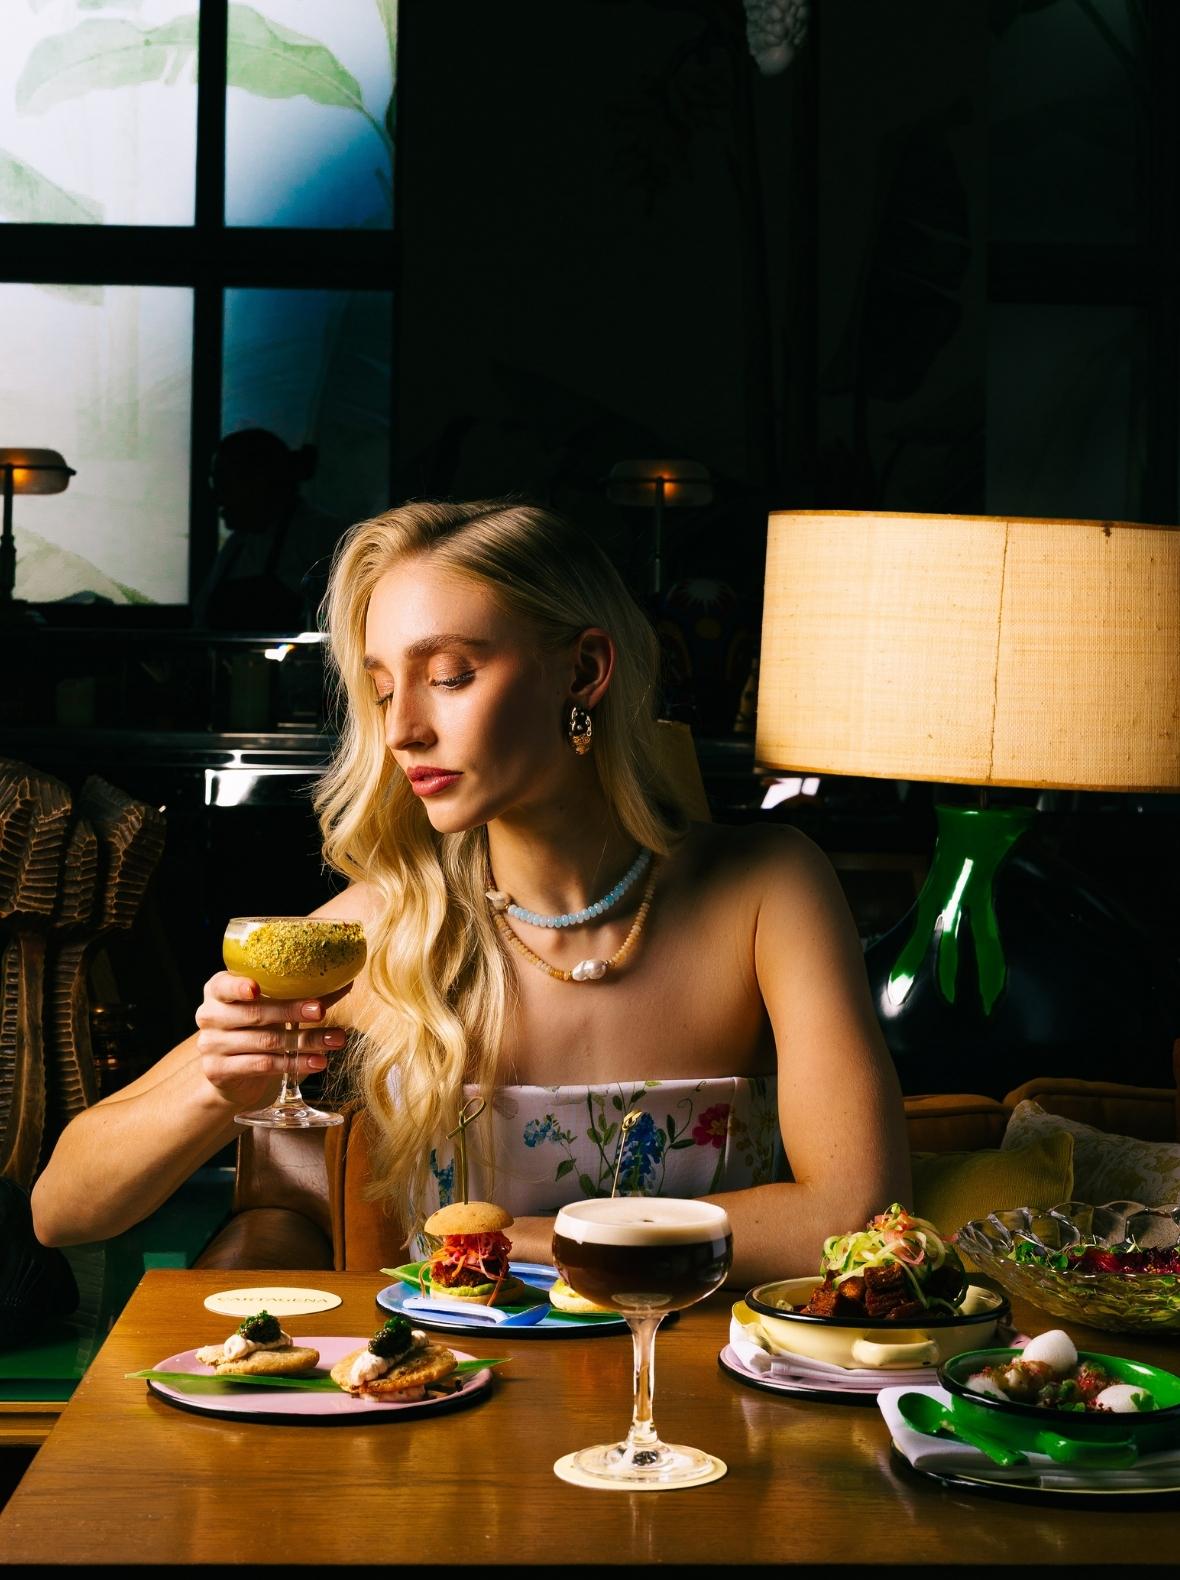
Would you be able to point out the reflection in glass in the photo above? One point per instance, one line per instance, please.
(309, 114)
(102, 373)
(98, 112)
(314, 367)
(1061, 407)
(1066, 107)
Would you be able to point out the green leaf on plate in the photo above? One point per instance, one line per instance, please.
(195, 1382)
(203, 1384)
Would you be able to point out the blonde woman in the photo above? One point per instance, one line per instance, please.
(546, 929)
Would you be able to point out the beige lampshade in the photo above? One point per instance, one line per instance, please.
(971, 650)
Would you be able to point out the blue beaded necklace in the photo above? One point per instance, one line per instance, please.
(501, 902)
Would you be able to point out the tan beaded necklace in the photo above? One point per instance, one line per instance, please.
(586, 970)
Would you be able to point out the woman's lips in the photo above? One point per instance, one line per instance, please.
(429, 781)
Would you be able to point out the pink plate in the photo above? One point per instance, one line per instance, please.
(278, 1405)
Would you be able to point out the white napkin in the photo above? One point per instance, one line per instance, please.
(753, 1351)
(944, 1455)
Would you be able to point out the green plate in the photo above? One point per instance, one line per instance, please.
(1072, 1436)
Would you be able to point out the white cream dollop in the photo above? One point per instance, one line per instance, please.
(238, 1345)
(367, 1366)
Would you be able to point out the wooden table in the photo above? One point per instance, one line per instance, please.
(127, 1478)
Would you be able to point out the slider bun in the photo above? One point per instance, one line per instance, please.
(565, 1299)
(468, 1217)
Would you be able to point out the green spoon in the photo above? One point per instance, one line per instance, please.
(926, 1415)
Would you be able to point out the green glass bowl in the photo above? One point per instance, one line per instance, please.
(1096, 1437)
(1118, 1302)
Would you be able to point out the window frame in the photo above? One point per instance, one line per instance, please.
(208, 257)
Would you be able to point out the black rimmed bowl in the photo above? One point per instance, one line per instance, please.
(875, 1343)
(1041, 1429)
(1023, 1250)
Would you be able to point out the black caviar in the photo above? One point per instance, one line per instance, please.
(393, 1339)
(261, 1329)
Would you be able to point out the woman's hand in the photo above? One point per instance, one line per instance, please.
(243, 1044)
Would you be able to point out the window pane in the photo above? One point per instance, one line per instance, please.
(101, 373)
(98, 112)
(309, 114)
(313, 367)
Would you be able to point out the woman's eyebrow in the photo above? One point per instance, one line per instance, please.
(428, 645)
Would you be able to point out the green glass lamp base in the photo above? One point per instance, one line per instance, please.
(958, 896)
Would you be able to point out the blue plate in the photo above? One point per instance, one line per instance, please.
(556, 1325)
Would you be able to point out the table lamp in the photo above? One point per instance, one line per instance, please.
(981, 651)
(24, 471)
(659, 485)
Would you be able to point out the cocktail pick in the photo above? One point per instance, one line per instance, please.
(471, 1110)
(625, 1124)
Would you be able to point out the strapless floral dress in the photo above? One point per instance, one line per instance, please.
(557, 1144)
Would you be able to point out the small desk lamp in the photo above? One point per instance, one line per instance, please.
(24, 472)
(978, 651)
(659, 485)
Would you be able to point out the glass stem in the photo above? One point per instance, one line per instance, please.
(290, 1096)
(642, 1443)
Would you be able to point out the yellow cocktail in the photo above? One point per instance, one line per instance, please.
(294, 958)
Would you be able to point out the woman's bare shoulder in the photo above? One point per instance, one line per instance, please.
(748, 857)
(359, 902)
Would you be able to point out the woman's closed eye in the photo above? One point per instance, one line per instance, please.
(453, 682)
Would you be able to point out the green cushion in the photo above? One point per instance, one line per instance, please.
(952, 1188)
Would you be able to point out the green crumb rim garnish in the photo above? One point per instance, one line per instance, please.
(392, 1339)
(291, 948)
(261, 1328)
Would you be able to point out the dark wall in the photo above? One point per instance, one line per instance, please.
(931, 266)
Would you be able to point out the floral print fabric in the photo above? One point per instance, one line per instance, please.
(557, 1144)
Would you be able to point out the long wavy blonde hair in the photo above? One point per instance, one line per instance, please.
(440, 976)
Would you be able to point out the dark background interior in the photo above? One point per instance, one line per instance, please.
(933, 266)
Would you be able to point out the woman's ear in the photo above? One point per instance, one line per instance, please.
(594, 664)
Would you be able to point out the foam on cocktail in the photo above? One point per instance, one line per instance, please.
(641, 1220)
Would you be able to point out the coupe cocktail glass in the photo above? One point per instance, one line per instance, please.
(643, 1256)
(293, 957)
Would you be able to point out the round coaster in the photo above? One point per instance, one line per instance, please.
(564, 1467)
(280, 1302)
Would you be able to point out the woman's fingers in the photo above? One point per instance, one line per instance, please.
(235, 1001)
(268, 1041)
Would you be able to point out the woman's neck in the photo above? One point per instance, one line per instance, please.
(562, 867)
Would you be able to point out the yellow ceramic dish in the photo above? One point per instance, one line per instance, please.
(861, 1342)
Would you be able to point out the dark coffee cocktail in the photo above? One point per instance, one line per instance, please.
(643, 1254)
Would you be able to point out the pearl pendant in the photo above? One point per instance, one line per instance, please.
(589, 971)
(497, 899)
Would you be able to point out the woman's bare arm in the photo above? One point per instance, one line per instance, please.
(840, 1106)
(119, 1160)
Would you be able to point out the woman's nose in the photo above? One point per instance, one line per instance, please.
(405, 726)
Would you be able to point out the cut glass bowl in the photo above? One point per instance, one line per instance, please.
(1017, 1249)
